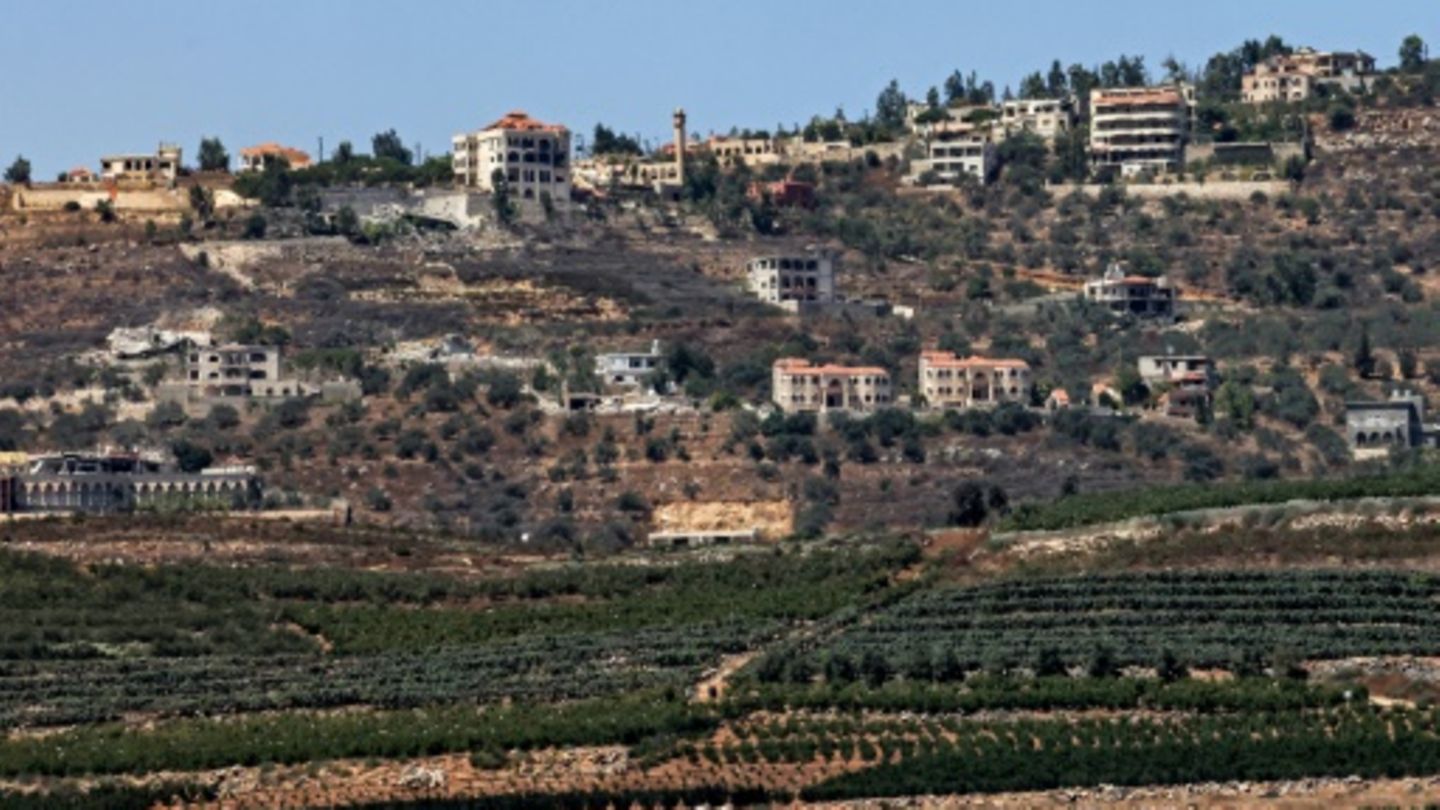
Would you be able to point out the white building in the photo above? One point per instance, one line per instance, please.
(1294, 76)
(532, 157)
(628, 369)
(162, 166)
(788, 279)
(1137, 129)
(1174, 368)
(955, 152)
(1047, 118)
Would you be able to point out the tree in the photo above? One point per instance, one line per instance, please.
(190, 457)
(1055, 80)
(968, 506)
(1033, 86)
(954, 88)
(387, 145)
(213, 157)
(344, 153)
(1364, 359)
(606, 142)
(19, 172)
(505, 208)
(1412, 54)
(202, 202)
(255, 226)
(890, 106)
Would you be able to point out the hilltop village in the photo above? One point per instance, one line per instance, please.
(1105, 278)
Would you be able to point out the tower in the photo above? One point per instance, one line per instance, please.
(679, 121)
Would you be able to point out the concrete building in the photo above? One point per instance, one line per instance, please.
(534, 158)
(1398, 422)
(239, 372)
(1295, 76)
(799, 386)
(1047, 118)
(954, 153)
(1158, 369)
(76, 482)
(1138, 129)
(161, 167)
(948, 381)
(256, 158)
(1141, 296)
(750, 151)
(628, 369)
(788, 279)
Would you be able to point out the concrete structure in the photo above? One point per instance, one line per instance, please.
(1141, 296)
(1399, 422)
(161, 167)
(1295, 76)
(787, 279)
(532, 157)
(799, 386)
(75, 482)
(953, 153)
(148, 341)
(1048, 118)
(628, 369)
(750, 151)
(701, 537)
(256, 158)
(677, 123)
(948, 381)
(1156, 369)
(239, 372)
(1137, 129)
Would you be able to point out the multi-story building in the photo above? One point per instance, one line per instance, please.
(161, 167)
(239, 372)
(948, 381)
(789, 279)
(1396, 422)
(1294, 76)
(1137, 129)
(77, 482)
(1048, 118)
(799, 386)
(956, 152)
(1142, 296)
(628, 369)
(533, 158)
(256, 158)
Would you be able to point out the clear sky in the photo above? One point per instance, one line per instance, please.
(79, 78)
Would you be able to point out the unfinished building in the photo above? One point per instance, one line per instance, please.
(789, 280)
(1295, 76)
(1141, 296)
(161, 167)
(1140, 129)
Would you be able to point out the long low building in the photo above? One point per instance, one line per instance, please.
(797, 385)
(76, 482)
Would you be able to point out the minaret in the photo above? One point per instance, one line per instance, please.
(679, 121)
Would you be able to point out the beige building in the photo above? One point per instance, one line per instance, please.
(956, 152)
(948, 381)
(256, 158)
(239, 372)
(533, 157)
(792, 278)
(161, 167)
(1047, 118)
(1175, 368)
(1294, 76)
(1137, 129)
(750, 151)
(797, 385)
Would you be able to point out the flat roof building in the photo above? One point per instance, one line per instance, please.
(532, 157)
(783, 279)
(1047, 118)
(239, 372)
(955, 153)
(799, 386)
(1141, 296)
(79, 482)
(1137, 129)
(161, 167)
(628, 369)
(1398, 422)
(948, 381)
(1294, 76)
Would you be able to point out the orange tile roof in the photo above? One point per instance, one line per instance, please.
(79, 171)
(521, 121)
(294, 157)
(1110, 98)
(950, 360)
(799, 365)
(1060, 395)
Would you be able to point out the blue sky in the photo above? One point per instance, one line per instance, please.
(79, 78)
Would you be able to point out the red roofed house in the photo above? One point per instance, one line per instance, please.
(798, 385)
(533, 157)
(783, 192)
(79, 174)
(256, 158)
(947, 381)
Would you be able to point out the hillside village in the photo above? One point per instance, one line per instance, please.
(1066, 444)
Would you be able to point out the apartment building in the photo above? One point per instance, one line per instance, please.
(788, 279)
(1295, 76)
(949, 381)
(161, 167)
(1139, 129)
(256, 158)
(954, 152)
(532, 157)
(1047, 118)
(1141, 296)
(799, 386)
(239, 372)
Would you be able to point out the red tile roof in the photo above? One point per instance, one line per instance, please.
(799, 365)
(949, 360)
(296, 158)
(519, 120)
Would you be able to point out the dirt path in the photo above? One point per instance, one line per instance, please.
(712, 688)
